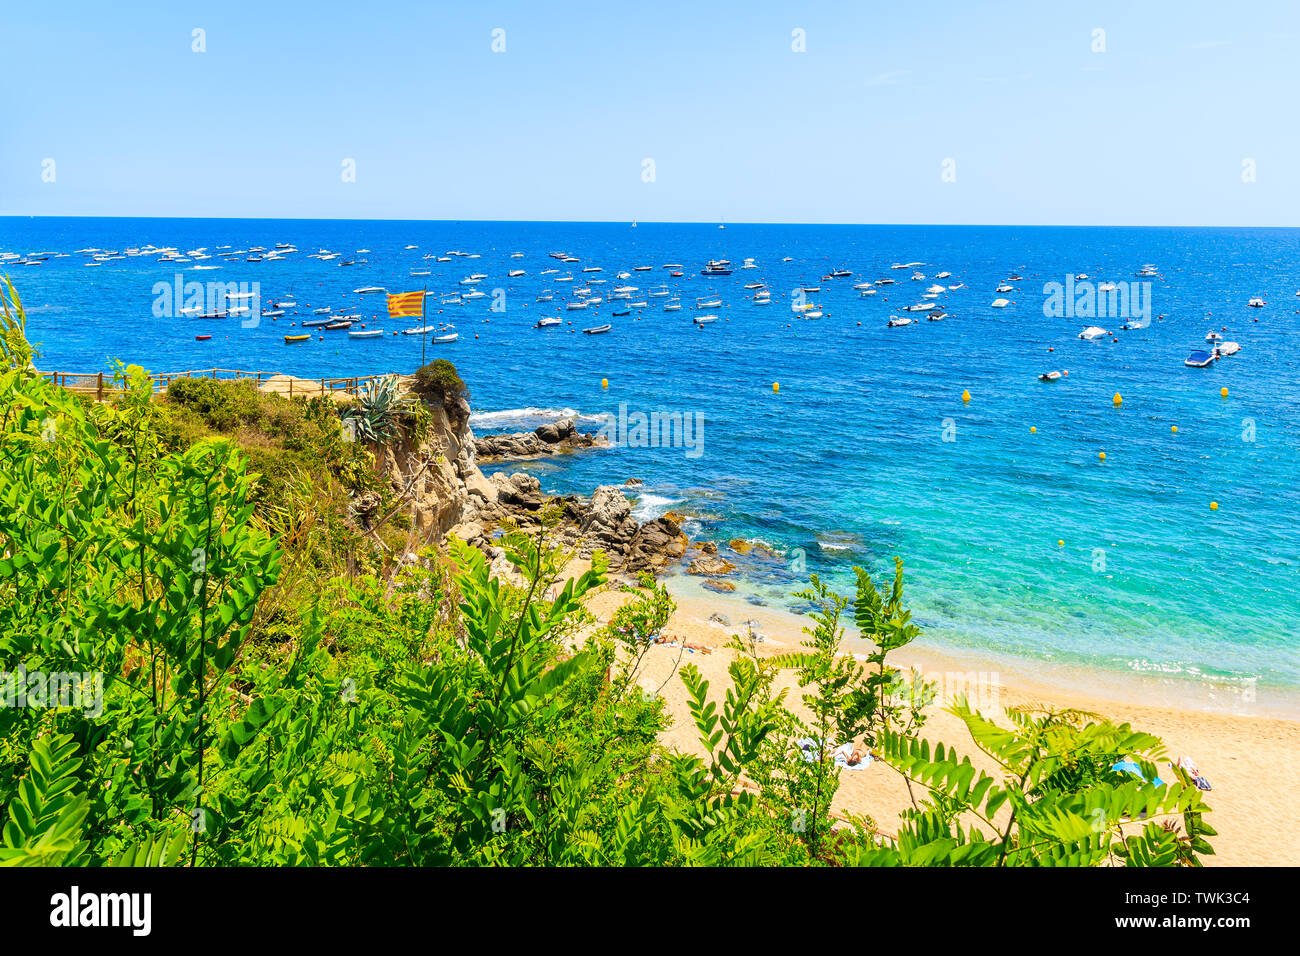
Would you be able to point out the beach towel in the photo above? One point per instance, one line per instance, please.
(842, 755)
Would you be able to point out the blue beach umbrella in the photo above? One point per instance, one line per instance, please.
(1128, 766)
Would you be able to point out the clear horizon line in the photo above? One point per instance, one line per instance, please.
(679, 222)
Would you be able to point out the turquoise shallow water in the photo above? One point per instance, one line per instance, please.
(848, 463)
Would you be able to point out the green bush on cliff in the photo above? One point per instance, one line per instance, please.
(439, 381)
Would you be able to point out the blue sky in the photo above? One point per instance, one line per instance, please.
(1041, 129)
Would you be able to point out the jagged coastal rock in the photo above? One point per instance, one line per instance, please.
(448, 495)
(552, 439)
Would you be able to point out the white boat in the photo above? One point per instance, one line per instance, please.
(672, 306)
(999, 303)
(705, 319)
(365, 333)
(900, 320)
(868, 291)
(420, 331)
(942, 275)
(935, 289)
(920, 307)
(1213, 337)
(574, 306)
(546, 296)
(1049, 376)
(476, 294)
(762, 300)
(1201, 358)
(548, 321)
(369, 290)
(1229, 348)
(1093, 332)
(597, 329)
(1005, 288)
(449, 337)
(1256, 303)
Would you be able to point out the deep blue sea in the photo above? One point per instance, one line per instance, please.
(868, 450)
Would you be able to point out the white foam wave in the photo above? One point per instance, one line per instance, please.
(650, 506)
(531, 413)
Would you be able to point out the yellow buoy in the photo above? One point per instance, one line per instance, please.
(1061, 543)
(1101, 455)
(1118, 399)
(1214, 506)
(965, 395)
(1223, 392)
(776, 386)
(604, 383)
(1173, 428)
(1032, 430)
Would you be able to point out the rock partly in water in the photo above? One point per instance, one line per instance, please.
(544, 440)
(710, 566)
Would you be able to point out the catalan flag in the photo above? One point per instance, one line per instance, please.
(404, 305)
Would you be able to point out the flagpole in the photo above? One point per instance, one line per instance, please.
(424, 337)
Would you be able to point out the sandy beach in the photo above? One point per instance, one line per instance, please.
(1247, 759)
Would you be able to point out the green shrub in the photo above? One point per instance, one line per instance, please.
(439, 381)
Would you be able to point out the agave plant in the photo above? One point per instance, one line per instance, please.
(378, 412)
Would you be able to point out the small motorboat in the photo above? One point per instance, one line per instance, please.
(548, 322)
(597, 329)
(620, 314)
(312, 323)
(921, 307)
(274, 313)
(705, 319)
(1005, 288)
(1049, 376)
(1213, 337)
(1200, 358)
(1256, 303)
(420, 331)
(1229, 348)
(1093, 332)
(672, 306)
(448, 337)
(516, 273)
(365, 333)
(342, 324)
(999, 303)
(202, 338)
(297, 338)
(900, 321)
(369, 290)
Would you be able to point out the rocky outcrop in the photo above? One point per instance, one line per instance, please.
(439, 479)
(445, 493)
(555, 438)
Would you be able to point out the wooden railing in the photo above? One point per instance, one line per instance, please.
(87, 382)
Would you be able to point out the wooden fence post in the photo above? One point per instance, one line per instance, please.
(99, 388)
